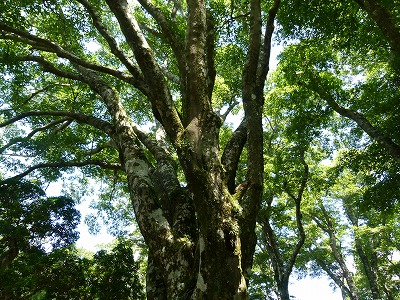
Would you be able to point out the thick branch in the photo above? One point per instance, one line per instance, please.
(266, 49)
(156, 150)
(64, 164)
(253, 54)
(163, 107)
(135, 164)
(253, 107)
(231, 156)
(80, 118)
(209, 52)
(197, 101)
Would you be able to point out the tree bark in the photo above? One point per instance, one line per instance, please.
(385, 21)
(367, 262)
(327, 226)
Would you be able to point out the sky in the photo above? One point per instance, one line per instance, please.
(313, 289)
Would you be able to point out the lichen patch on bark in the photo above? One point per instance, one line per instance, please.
(158, 216)
(138, 168)
(201, 285)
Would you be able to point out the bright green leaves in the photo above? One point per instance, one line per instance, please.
(229, 61)
(334, 19)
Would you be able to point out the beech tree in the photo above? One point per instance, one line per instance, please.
(137, 94)
(200, 233)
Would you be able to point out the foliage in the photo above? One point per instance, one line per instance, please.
(31, 224)
(29, 220)
(65, 274)
(140, 95)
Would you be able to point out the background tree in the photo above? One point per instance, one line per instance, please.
(31, 224)
(108, 274)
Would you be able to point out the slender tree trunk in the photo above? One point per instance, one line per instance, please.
(338, 279)
(385, 20)
(373, 131)
(346, 272)
(283, 288)
(367, 262)
(6, 260)
(327, 226)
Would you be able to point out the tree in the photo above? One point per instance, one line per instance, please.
(195, 185)
(280, 219)
(29, 220)
(200, 235)
(30, 225)
(108, 274)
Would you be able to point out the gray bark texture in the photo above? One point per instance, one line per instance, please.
(201, 237)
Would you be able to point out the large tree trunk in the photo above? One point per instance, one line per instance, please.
(191, 256)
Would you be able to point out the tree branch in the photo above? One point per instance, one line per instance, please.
(339, 282)
(231, 156)
(41, 44)
(385, 21)
(209, 52)
(266, 49)
(45, 89)
(113, 44)
(337, 254)
(391, 147)
(253, 108)
(273, 247)
(232, 105)
(172, 38)
(33, 132)
(253, 54)
(49, 67)
(99, 148)
(102, 164)
(197, 101)
(297, 199)
(80, 118)
(159, 94)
